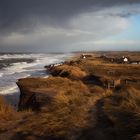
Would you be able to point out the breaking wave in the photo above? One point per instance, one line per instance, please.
(15, 66)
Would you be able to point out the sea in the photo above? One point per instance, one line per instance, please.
(14, 66)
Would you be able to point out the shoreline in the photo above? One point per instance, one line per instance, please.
(79, 100)
(76, 68)
(10, 92)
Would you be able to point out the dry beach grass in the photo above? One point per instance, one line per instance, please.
(75, 104)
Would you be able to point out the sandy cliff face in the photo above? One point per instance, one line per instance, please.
(34, 93)
(37, 93)
(61, 107)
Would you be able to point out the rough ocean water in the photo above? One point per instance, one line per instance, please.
(15, 66)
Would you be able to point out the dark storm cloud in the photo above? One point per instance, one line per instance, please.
(24, 15)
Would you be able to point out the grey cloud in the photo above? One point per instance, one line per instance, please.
(59, 39)
(24, 15)
(62, 25)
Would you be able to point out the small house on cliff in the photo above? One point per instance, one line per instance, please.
(135, 62)
(84, 56)
(125, 59)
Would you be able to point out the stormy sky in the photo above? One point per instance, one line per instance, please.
(69, 25)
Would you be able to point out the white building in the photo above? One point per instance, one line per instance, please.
(125, 59)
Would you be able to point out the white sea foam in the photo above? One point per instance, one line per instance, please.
(11, 56)
(18, 68)
(1, 74)
(9, 90)
(10, 74)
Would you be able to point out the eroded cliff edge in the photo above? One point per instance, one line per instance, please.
(84, 99)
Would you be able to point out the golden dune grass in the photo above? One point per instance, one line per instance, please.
(71, 72)
(6, 111)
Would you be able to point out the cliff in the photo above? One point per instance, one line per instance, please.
(75, 104)
(39, 92)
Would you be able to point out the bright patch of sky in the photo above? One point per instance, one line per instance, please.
(127, 39)
(132, 32)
